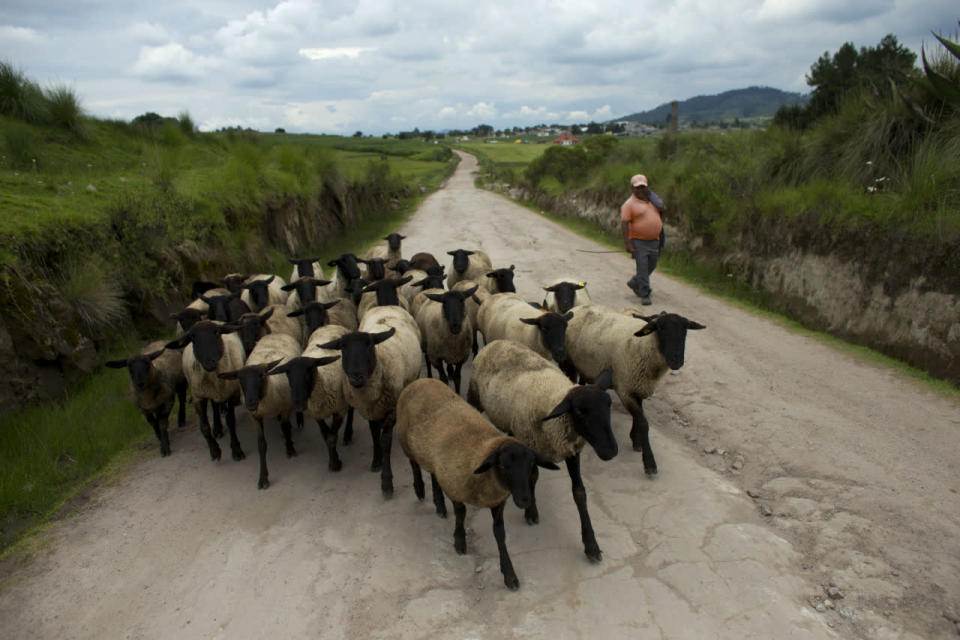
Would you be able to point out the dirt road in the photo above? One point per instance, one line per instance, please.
(787, 469)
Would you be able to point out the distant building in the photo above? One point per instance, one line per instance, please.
(565, 139)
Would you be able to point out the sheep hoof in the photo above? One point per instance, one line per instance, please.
(595, 555)
(238, 455)
(291, 452)
(532, 516)
(650, 471)
(263, 484)
(512, 583)
(215, 454)
(375, 466)
(460, 546)
(335, 465)
(387, 492)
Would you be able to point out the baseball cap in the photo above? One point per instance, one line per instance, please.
(638, 180)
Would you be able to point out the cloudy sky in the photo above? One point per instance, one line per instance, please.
(338, 66)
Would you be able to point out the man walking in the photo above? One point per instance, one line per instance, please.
(641, 224)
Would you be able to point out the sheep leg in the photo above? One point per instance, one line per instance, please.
(453, 371)
(163, 421)
(640, 434)
(438, 501)
(475, 346)
(375, 427)
(590, 546)
(235, 450)
(264, 480)
(153, 419)
(531, 514)
(348, 428)
(330, 437)
(386, 444)
(418, 487)
(299, 420)
(217, 422)
(442, 373)
(287, 429)
(201, 408)
(459, 533)
(181, 390)
(427, 360)
(506, 567)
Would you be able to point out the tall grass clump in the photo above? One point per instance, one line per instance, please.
(21, 98)
(94, 294)
(186, 124)
(19, 145)
(65, 110)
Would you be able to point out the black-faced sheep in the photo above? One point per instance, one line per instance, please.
(565, 294)
(303, 290)
(156, 381)
(446, 334)
(346, 271)
(208, 349)
(468, 459)
(506, 316)
(305, 267)
(273, 319)
(265, 396)
(379, 360)
(261, 291)
(225, 308)
(317, 314)
(501, 280)
(381, 294)
(317, 390)
(473, 306)
(528, 397)
(600, 338)
(468, 265)
(390, 253)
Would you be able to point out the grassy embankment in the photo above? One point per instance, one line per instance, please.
(110, 216)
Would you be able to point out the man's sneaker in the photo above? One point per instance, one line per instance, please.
(645, 301)
(632, 287)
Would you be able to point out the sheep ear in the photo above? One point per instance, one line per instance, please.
(319, 362)
(205, 299)
(488, 464)
(266, 314)
(271, 279)
(383, 335)
(568, 316)
(532, 321)
(229, 327)
(546, 464)
(695, 325)
(640, 317)
(551, 288)
(536, 305)
(405, 280)
(450, 253)
(436, 297)
(116, 364)
(294, 314)
(156, 354)
(271, 365)
(647, 330)
(469, 292)
(327, 305)
(289, 287)
(291, 261)
(558, 410)
(332, 263)
(228, 375)
(283, 368)
(580, 285)
(180, 342)
(605, 379)
(334, 344)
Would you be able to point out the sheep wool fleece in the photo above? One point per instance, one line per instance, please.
(447, 437)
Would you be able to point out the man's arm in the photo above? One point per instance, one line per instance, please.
(656, 201)
(625, 232)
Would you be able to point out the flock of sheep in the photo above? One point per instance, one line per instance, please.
(356, 342)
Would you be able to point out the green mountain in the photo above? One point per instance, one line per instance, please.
(752, 102)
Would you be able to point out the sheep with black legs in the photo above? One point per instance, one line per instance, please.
(468, 265)
(346, 270)
(225, 308)
(303, 290)
(507, 316)
(473, 306)
(528, 397)
(265, 396)
(446, 334)
(197, 309)
(468, 459)
(420, 281)
(564, 294)
(639, 355)
(317, 390)
(156, 382)
(390, 253)
(379, 360)
(210, 348)
(381, 294)
(273, 319)
(317, 314)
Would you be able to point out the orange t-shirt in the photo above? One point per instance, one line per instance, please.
(644, 218)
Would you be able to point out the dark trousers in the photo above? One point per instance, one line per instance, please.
(645, 254)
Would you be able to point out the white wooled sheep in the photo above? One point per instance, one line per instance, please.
(382, 293)
(379, 360)
(639, 353)
(446, 334)
(273, 319)
(507, 316)
(563, 294)
(210, 348)
(156, 381)
(473, 306)
(265, 396)
(468, 265)
(262, 290)
(528, 397)
(317, 390)
(305, 267)
(468, 459)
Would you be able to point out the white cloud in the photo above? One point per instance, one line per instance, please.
(446, 112)
(171, 62)
(149, 33)
(482, 110)
(334, 52)
(20, 34)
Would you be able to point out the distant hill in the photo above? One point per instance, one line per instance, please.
(752, 102)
